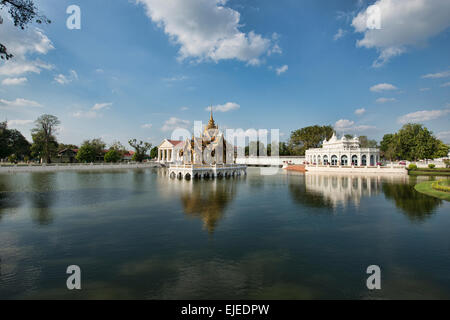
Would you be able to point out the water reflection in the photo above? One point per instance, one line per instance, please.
(331, 191)
(415, 205)
(208, 199)
(328, 191)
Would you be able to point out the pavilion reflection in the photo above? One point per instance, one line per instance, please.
(340, 190)
(208, 199)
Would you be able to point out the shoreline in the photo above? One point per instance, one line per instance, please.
(75, 167)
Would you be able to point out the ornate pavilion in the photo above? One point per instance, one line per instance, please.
(209, 155)
(343, 152)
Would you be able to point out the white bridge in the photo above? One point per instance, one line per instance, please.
(188, 171)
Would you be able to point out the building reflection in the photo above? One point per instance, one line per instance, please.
(340, 190)
(207, 199)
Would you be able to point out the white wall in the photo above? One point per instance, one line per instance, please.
(270, 161)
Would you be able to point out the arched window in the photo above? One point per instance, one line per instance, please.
(325, 160)
(355, 160)
(364, 160)
(318, 160)
(344, 160)
(372, 160)
(334, 160)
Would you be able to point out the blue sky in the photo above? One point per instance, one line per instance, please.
(138, 69)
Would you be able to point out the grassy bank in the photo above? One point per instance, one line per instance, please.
(427, 188)
(429, 172)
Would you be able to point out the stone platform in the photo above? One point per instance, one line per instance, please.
(188, 171)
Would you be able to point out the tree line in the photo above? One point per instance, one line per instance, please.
(412, 142)
(45, 147)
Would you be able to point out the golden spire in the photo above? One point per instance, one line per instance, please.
(211, 123)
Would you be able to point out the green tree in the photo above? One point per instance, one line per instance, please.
(22, 13)
(44, 141)
(309, 137)
(154, 153)
(141, 148)
(91, 151)
(113, 155)
(367, 143)
(442, 150)
(412, 142)
(12, 142)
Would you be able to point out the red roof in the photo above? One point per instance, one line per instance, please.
(175, 142)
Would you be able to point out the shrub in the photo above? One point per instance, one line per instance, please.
(441, 185)
(431, 166)
(412, 166)
(112, 156)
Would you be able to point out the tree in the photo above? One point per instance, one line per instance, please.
(41, 148)
(12, 142)
(412, 142)
(154, 153)
(91, 150)
(309, 137)
(442, 150)
(44, 132)
(22, 13)
(141, 148)
(113, 155)
(366, 143)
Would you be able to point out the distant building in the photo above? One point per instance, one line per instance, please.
(344, 152)
(67, 155)
(169, 151)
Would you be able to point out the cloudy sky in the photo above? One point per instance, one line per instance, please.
(141, 68)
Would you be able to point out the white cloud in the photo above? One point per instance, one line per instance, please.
(339, 34)
(147, 126)
(437, 75)
(18, 103)
(384, 100)
(14, 81)
(174, 123)
(360, 111)
(424, 115)
(207, 30)
(92, 113)
(176, 78)
(424, 89)
(404, 24)
(19, 123)
(22, 43)
(100, 106)
(229, 106)
(282, 69)
(383, 87)
(349, 126)
(184, 108)
(63, 79)
(444, 85)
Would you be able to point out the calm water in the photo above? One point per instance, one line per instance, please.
(137, 234)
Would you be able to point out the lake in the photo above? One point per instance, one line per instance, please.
(136, 234)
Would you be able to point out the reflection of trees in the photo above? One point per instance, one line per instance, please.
(299, 194)
(41, 202)
(208, 200)
(415, 205)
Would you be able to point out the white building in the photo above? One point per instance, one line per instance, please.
(169, 151)
(343, 152)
